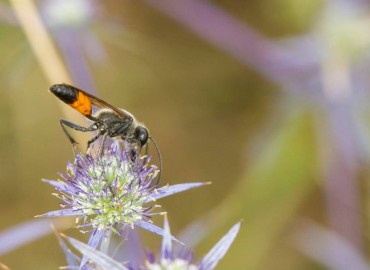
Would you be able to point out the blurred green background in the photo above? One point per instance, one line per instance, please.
(266, 144)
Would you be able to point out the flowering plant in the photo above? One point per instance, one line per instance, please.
(110, 192)
(168, 260)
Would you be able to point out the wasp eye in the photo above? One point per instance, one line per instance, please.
(142, 134)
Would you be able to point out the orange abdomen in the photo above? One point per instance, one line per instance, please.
(82, 104)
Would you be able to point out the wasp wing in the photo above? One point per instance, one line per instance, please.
(103, 104)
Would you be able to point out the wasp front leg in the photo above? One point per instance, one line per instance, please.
(134, 149)
(102, 142)
(65, 123)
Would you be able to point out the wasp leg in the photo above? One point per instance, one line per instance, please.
(64, 123)
(132, 148)
(145, 153)
(146, 149)
(135, 149)
(101, 145)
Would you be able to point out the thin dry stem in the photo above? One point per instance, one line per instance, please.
(42, 45)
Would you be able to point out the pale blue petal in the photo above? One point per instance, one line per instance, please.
(105, 242)
(132, 249)
(58, 185)
(153, 228)
(93, 242)
(72, 259)
(26, 232)
(219, 250)
(170, 190)
(166, 249)
(101, 259)
(62, 212)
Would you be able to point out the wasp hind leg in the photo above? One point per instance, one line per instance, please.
(65, 123)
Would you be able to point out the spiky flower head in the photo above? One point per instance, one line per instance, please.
(111, 190)
(169, 260)
(174, 264)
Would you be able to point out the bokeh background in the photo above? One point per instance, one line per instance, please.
(267, 99)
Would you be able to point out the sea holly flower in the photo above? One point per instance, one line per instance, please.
(171, 260)
(109, 192)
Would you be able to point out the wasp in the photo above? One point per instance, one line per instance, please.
(107, 120)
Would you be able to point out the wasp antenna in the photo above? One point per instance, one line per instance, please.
(159, 159)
